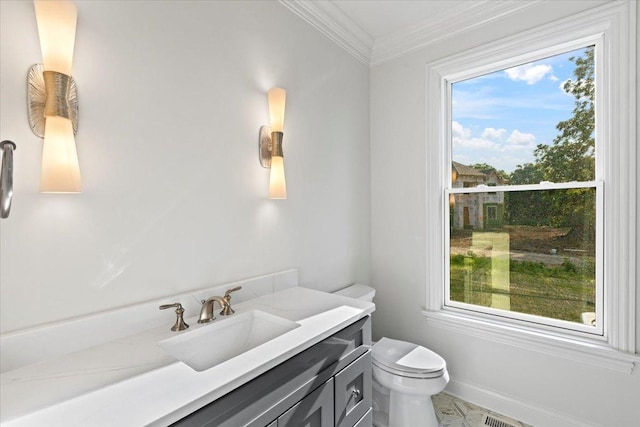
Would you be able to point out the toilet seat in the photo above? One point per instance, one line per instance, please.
(407, 359)
(413, 375)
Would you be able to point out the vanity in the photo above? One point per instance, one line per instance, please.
(315, 373)
(326, 385)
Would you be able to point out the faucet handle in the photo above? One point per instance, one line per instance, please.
(227, 310)
(227, 293)
(179, 325)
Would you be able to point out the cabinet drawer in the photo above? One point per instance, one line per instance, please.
(353, 392)
(315, 410)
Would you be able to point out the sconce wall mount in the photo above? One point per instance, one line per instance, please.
(270, 144)
(50, 93)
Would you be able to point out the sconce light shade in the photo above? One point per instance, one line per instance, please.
(60, 171)
(277, 98)
(270, 144)
(277, 182)
(57, 31)
(52, 97)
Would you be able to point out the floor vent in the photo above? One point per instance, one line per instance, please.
(493, 421)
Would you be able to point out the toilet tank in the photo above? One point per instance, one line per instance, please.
(357, 291)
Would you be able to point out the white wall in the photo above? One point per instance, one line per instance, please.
(541, 389)
(172, 95)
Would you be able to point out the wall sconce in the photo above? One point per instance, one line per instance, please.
(270, 144)
(52, 97)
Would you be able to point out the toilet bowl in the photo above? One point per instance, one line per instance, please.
(405, 376)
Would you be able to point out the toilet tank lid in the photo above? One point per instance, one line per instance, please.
(357, 291)
(406, 356)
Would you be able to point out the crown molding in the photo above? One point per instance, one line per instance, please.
(330, 20)
(456, 21)
(335, 24)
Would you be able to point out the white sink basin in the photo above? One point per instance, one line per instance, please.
(224, 339)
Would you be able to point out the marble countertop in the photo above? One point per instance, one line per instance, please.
(133, 382)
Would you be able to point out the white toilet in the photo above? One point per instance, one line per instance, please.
(405, 376)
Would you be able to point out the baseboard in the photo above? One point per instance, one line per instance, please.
(514, 408)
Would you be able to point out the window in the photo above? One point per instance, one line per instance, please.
(492, 212)
(529, 131)
(507, 240)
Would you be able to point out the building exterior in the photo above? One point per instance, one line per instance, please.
(477, 211)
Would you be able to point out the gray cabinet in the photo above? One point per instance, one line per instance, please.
(326, 385)
(366, 420)
(352, 395)
(315, 410)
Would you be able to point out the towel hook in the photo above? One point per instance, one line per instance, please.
(6, 178)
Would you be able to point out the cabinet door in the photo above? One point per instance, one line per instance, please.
(366, 421)
(353, 392)
(315, 410)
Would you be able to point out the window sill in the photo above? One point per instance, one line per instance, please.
(588, 351)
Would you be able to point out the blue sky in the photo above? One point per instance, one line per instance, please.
(500, 118)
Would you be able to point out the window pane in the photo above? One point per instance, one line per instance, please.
(526, 124)
(529, 252)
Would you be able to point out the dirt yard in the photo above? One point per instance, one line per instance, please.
(540, 240)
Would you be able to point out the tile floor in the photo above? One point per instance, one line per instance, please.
(453, 412)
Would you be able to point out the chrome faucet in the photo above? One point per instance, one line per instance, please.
(206, 313)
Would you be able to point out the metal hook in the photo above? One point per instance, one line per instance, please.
(6, 178)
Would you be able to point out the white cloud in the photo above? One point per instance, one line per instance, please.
(457, 130)
(519, 138)
(461, 137)
(529, 73)
(496, 147)
(494, 134)
(484, 144)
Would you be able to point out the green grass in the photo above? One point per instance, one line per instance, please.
(563, 292)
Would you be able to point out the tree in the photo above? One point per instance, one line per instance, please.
(523, 207)
(487, 169)
(571, 157)
(529, 173)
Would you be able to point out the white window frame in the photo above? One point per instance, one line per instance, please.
(613, 28)
(470, 71)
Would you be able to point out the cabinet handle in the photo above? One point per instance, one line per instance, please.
(356, 393)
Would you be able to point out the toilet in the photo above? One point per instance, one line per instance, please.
(405, 376)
